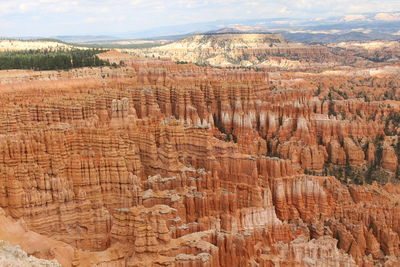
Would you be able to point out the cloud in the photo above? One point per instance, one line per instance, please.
(254, 6)
(129, 15)
(284, 11)
(354, 18)
(104, 19)
(387, 16)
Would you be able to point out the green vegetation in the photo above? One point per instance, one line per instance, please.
(342, 173)
(51, 60)
(397, 149)
(113, 45)
(229, 137)
(357, 175)
(392, 124)
(365, 174)
(318, 91)
(331, 110)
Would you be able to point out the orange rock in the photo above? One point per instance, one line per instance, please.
(389, 158)
(158, 163)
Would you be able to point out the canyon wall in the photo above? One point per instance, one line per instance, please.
(164, 164)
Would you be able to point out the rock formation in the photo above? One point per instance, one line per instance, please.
(232, 47)
(14, 256)
(240, 49)
(164, 164)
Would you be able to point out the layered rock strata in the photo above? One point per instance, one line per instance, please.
(170, 164)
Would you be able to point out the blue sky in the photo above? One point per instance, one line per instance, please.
(60, 17)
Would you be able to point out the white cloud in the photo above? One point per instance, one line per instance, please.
(140, 14)
(104, 19)
(354, 18)
(294, 6)
(284, 11)
(387, 16)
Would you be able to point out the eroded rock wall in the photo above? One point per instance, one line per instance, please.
(178, 165)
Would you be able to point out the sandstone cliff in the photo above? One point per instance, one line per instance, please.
(240, 49)
(164, 164)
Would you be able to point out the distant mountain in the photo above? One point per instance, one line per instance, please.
(326, 38)
(85, 38)
(241, 29)
(355, 27)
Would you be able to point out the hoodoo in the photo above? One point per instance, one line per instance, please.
(165, 164)
(268, 142)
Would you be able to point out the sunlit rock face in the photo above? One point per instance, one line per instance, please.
(264, 50)
(14, 256)
(164, 164)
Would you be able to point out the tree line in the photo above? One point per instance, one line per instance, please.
(51, 60)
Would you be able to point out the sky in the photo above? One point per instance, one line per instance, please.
(46, 18)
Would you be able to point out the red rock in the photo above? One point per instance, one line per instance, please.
(178, 165)
(389, 158)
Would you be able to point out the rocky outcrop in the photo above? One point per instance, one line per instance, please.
(180, 165)
(389, 158)
(14, 256)
(302, 252)
(240, 49)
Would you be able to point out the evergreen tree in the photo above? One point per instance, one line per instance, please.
(48, 60)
